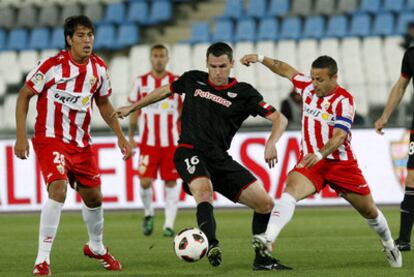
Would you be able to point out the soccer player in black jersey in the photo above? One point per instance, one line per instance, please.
(397, 93)
(214, 108)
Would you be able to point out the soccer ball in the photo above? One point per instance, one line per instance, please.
(190, 244)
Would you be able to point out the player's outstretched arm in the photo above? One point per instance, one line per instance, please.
(153, 97)
(397, 93)
(279, 124)
(106, 110)
(280, 68)
(21, 147)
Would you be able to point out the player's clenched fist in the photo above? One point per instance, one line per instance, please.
(122, 112)
(21, 149)
(379, 125)
(249, 58)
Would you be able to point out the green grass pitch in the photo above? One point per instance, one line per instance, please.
(317, 242)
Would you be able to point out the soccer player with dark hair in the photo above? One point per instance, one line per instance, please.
(159, 130)
(65, 86)
(214, 107)
(326, 153)
(396, 94)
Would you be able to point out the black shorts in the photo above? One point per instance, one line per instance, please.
(228, 177)
(410, 163)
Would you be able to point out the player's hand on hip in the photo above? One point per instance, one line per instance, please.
(22, 149)
(126, 148)
(122, 112)
(308, 161)
(270, 154)
(379, 125)
(248, 59)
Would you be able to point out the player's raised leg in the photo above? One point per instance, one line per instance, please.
(92, 213)
(365, 205)
(146, 197)
(49, 221)
(171, 206)
(255, 197)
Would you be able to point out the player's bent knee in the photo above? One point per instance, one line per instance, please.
(265, 206)
(370, 212)
(57, 190)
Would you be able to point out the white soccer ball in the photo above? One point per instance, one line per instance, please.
(190, 244)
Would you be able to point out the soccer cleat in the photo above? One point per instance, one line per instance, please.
(108, 261)
(168, 232)
(262, 246)
(148, 225)
(268, 263)
(42, 269)
(403, 245)
(214, 255)
(393, 256)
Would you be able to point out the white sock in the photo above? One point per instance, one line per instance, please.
(93, 218)
(146, 197)
(171, 206)
(380, 226)
(49, 222)
(281, 214)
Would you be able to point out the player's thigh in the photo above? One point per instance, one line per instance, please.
(202, 189)
(364, 204)
(300, 185)
(82, 167)
(255, 197)
(168, 171)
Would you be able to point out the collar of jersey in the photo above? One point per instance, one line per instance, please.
(232, 82)
(75, 62)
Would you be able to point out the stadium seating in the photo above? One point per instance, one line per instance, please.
(256, 8)
(57, 38)
(324, 7)
(360, 25)
(245, 30)
(314, 27)
(200, 32)
(9, 68)
(337, 26)
(7, 17)
(69, 10)
(138, 12)
(402, 21)
(121, 81)
(139, 57)
(224, 31)
(383, 25)
(291, 28)
(240, 71)
(233, 9)
(27, 16)
(49, 16)
(2, 40)
(105, 37)
(128, 35)
(198, 59)
(161, 11)
(370, 6)
(306, 54)
(39, 39)
(93, 10)
(17, 39)
(393, 5)
(302, 7)
(347, 6)
(279, 7)
(268, 29)
(114, 13)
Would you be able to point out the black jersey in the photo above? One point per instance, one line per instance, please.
(212, 115)
(407, 68)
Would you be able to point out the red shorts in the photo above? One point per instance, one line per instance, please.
(342, 176)
(60, 161)
(151, 158)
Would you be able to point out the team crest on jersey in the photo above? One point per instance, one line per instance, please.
(92, 81)
(86, 100)
(231, 94)
(38, 78)
(325, 116)
(164, 105)
(326, 105)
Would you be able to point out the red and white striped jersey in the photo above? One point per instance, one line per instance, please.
(159, 122)
(321, 115)
(65, 93)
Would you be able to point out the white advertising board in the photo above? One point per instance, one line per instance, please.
(381, 158)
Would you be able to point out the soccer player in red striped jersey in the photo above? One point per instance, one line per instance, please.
(159, 130)
(65, 86)
(326, 153)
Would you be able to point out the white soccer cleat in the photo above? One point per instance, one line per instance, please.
(393, 256)
(262, 246)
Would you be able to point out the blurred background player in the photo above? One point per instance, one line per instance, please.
(396, 94)
(291, 107)
(326, 152)
(66, 85)
(214, 108)
(159, 131)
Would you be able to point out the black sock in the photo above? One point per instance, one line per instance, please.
(259, 223)
(407, 215)
(206, 221)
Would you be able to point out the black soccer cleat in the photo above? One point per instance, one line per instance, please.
(403, 245)
(214, 255)
(148, 225)
(268, 263)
